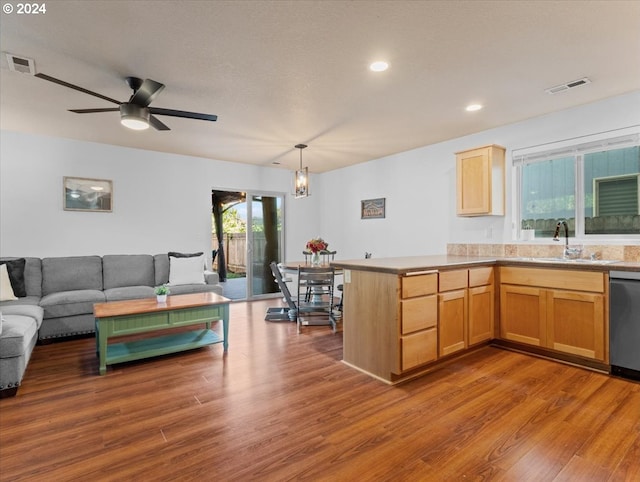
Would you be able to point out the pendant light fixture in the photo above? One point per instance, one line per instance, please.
(301, 179)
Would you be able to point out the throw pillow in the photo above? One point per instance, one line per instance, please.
(185, 271)
(15, 268)
(6, 291)
(175, 254)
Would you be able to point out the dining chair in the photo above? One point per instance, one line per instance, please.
(281, 314)
(317, 307)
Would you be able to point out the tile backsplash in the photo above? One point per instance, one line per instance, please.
(617, 252)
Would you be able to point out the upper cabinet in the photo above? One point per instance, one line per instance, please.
(480, 181)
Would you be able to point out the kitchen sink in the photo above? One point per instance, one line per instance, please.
(567, 260)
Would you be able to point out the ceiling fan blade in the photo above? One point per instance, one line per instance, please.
(144, 95)
(75, 87)
(182, 113)
(157, 124)
(93, 111)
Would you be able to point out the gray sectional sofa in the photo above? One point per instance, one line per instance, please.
(60, 294)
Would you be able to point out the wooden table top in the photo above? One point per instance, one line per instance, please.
(149, 305)
(294, 265)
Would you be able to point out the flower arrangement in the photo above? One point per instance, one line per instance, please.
(316, 245)
(162, 290)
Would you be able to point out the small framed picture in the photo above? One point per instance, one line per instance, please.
(372, 208)
(85, 194)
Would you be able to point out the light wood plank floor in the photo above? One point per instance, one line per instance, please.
(281, 406)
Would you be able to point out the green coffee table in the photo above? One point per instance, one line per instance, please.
(130, 317)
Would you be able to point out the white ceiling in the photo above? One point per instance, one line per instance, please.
(279, 73)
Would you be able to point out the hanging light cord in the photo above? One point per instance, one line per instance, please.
(300, 146)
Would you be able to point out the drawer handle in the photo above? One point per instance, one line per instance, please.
(416, 273)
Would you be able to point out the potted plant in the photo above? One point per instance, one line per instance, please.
(161, 293)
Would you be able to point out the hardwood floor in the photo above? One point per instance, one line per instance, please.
(280, 406)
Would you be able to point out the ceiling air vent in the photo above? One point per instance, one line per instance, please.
(567, 86)
(21, 64)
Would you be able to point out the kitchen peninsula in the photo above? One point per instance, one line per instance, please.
(405, 316)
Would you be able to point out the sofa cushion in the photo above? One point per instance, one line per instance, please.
(69, 303)
(17, 332)
(71, 273)
(175, 254)
(6, 290)
(15, 268)
(129, 293)
(127, 270)
(161, 265)
(35, 312)
(183, 271)
(32, 275)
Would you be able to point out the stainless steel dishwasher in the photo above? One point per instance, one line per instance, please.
(624, 321)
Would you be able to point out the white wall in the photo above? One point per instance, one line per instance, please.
(419, 186)
(162, 201)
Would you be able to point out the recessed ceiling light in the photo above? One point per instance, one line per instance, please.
(379, 66)
(473, 107)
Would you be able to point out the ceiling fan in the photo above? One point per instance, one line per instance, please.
(135, 113)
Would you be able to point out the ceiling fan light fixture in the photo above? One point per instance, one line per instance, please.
(134, 117)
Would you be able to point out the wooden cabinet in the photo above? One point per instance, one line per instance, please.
(404, 323)
(452, 311)
(480, 181)
(522, 314)
(481, 305)
(575, 323)
(563, 310)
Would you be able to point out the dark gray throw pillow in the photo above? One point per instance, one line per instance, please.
(15, 268)
(175, 254)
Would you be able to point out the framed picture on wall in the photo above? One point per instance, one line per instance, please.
(85, 194)
(372, 208)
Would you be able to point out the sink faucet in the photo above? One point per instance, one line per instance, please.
(568, 252)
(566, 232)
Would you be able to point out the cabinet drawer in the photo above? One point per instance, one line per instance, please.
(453, 280)
(419, 285)
(480, 276)
(419, 348)
(419, 313)
(554, 278)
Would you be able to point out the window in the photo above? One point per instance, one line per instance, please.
(593, 186)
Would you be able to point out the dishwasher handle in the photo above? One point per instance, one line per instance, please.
(630, 275)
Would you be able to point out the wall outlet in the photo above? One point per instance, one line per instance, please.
(347, 276)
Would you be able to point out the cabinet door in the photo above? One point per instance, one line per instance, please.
(481, 314)
(473, 188)
(523, 314)
(575, 323)
(452, 314)
(419, 348)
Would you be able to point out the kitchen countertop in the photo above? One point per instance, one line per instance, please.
(413, 264)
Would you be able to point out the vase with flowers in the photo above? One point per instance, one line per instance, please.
(316, 245)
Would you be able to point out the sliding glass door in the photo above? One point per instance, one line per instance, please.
(264, 243)
(247, 235)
